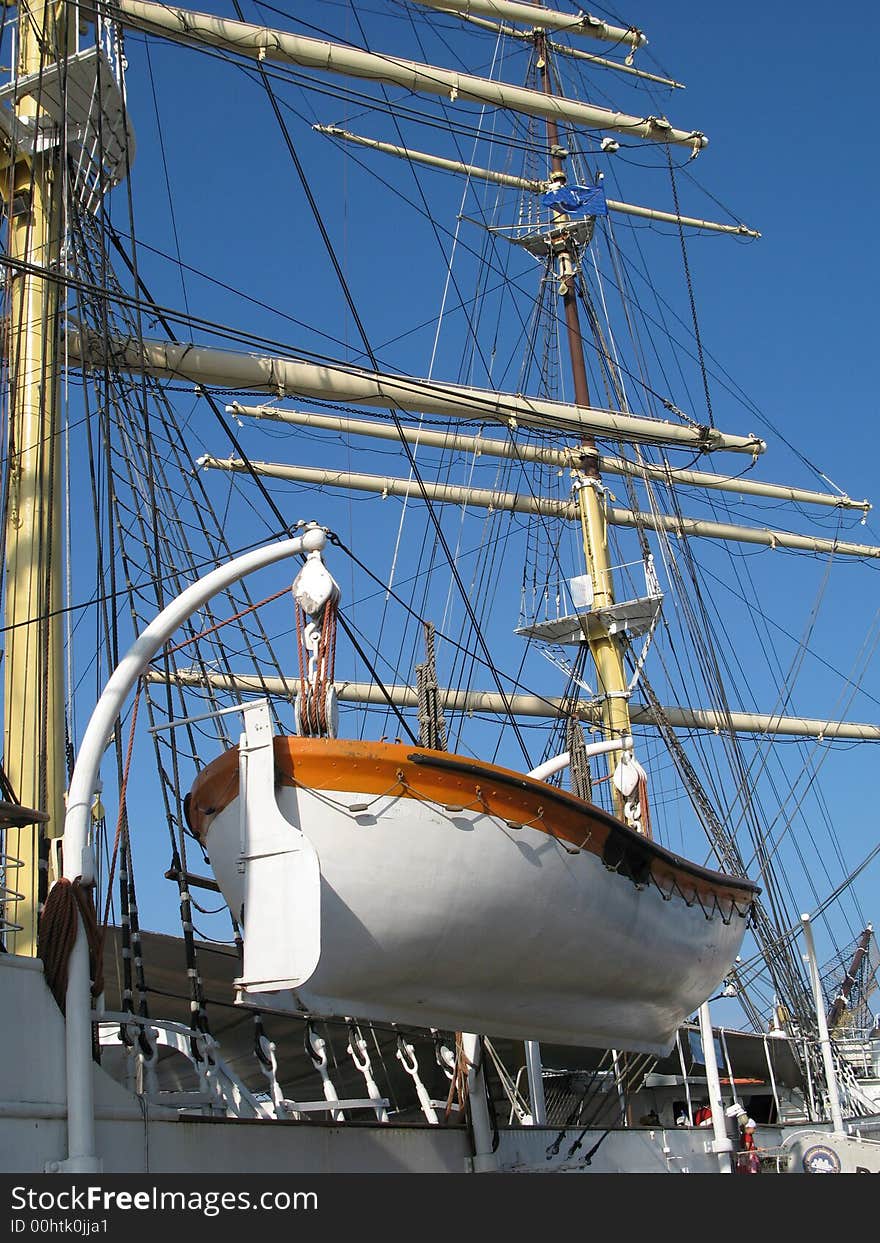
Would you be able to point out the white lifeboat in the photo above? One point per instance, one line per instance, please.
(392, 883)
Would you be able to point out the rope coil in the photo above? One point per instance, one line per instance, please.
(66, 902)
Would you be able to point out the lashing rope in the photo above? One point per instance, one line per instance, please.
(458, 1086)
(66, 902)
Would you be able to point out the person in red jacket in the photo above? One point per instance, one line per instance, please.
(749, 1161)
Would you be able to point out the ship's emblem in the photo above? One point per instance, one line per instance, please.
(820, 1159)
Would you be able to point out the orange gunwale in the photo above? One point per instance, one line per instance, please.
(460, 784)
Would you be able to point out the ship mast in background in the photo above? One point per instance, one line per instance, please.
(34, 737)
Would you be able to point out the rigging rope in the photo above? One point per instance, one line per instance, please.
(690, 289)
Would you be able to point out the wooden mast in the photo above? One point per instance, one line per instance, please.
(590, 494)
(33, 724)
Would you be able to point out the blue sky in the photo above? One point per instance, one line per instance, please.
(788, 115)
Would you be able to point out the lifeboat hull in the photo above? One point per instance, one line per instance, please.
(462, 896)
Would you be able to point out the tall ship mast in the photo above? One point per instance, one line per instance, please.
(35, 748)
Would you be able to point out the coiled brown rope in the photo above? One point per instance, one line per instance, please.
(58, 923)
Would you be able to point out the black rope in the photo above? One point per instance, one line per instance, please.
(578, 1143)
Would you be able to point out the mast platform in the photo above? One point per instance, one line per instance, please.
(80, 97)
(632, 616)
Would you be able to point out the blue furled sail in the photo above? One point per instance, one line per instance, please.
(577, 200)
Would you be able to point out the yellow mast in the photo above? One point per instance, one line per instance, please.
(605, 648)
(606, 651)
(33, 722)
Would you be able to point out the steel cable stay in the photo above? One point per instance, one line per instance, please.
(644, 328)
(591, 1092)
(699, 628)
(589, 1106)
(756, 611)
(810, 768)
(782, 794)
(687, 274)
(159, 131)
(553, 568)
(452, 681)
(473, 337)
(636, 314)
(199, 1016)
(789, 684)
(813, 776)
(514, 683)
(438, 325)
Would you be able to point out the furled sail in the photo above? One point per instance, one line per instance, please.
(329, 381)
